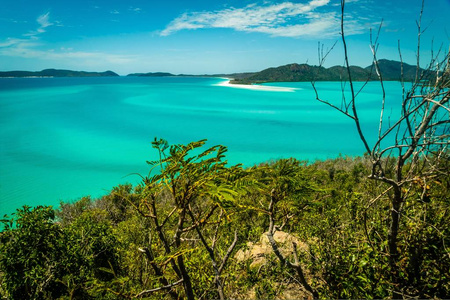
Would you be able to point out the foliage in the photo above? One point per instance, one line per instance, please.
(196, 212)
(31, 245)
(406, 157)
(41, 259)
(376, 226)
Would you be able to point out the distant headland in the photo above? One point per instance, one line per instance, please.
(150, 74)
(57, 73)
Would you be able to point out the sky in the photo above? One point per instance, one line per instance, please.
(212, 36)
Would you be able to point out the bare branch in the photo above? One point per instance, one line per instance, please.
(229, 251)
(216, 233)
(374, 47)
(419, 34)
(166, 287)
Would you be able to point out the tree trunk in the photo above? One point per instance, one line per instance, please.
(148, 253)
(187, 284)
(392, 240)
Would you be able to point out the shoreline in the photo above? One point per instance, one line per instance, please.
(257, 87)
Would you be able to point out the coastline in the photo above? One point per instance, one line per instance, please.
(257, 87)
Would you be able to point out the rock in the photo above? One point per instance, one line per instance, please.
(259, 252)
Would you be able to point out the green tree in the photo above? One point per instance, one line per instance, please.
(31, 245)
(188, 202)
(41, 259)
(287, 191)
(90, 259)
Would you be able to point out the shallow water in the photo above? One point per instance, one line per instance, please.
(64, 138)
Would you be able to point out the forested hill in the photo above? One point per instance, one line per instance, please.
(151, 74)
(390, 70)
(165, 74)
(57, 73)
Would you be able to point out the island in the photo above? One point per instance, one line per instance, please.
(57, 73)
(389, 69)
(151, 74)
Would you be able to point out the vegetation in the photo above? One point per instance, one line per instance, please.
(406, 155)
(151, 74)
(390, 70)
(376, 226)
(179, 234)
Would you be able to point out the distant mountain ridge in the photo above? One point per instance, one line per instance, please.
(390, 71)
(57, 73)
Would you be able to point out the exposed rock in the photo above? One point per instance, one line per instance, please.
(259, 252)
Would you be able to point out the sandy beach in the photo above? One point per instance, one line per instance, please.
(258, 87)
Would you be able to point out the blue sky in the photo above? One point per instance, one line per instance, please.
(205, 37)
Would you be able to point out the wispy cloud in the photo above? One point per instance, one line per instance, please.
(32, 45)
(68, 56)
(285, 19)
(44, 21)
(135, 9)
(29, 50)
(27, 40)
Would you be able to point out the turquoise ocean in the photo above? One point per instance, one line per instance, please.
(65, 138)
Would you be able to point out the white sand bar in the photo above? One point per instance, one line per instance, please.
(256, 87)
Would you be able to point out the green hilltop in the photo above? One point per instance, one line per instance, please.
(390, 70)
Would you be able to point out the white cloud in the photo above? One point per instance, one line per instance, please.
(135, 9)
(11, 42)
(76, 58)
(283, 19)
(28, 40)
(44, 20)
(31, 46)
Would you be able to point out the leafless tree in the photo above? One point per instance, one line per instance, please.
(408, 146)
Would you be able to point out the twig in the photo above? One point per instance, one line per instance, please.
(166, 287)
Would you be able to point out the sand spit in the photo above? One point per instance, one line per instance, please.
(256, 87)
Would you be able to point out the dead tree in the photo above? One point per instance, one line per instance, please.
(407, 148)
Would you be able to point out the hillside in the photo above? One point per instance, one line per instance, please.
(390, 70)
(57, 73)
(123, 246)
